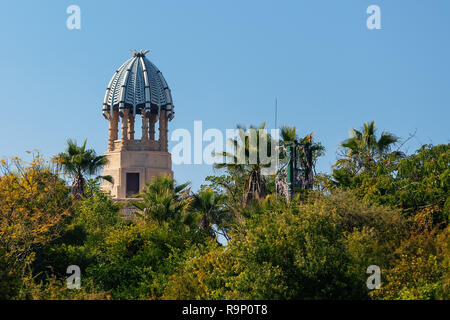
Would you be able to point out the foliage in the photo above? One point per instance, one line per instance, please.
(363, 150)
(55, 289)
(379, 207)
(164, 201)
(92, 218)
(10, 278)
(421, 269)
(209, 206)
(416, 182)
(246, 162)
(424, 181)
(136, 260)
(289, 136)
(287, 252)
(33, 206)
(77, 162)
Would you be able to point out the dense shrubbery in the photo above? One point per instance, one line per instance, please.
(316, 250)
(379, 207)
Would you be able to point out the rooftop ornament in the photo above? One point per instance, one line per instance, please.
(139, 53)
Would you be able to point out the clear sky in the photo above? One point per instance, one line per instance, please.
(225, 62)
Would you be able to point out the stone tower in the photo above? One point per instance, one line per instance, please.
(137, 92)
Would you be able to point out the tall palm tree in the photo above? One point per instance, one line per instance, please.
(363, 148)
(78, 162)
(209, 206)
(288, 135)
(164, 201)
(241, 163)
(305, 153)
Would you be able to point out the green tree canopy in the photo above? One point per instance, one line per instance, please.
(77, 162)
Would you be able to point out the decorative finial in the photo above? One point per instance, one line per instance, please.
(139, 53)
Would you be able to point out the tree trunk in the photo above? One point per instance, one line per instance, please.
(309, 175)
(204, 225)
(78, 186)
(256, 187)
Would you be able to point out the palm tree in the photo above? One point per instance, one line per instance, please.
(78, 162)
(288, 134)
(306, 152)
(307, 144)
(164, 201)
(363, 149)
(209, 206)
(242, 163)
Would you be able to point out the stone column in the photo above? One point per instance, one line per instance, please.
(113, 129)
(116, 125)
(131, 126)
(124, 127)
(144, 127)
(153, 119)
(163, 131)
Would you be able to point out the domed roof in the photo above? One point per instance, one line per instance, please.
(138, 85)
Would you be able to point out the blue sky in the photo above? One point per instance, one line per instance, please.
(225, 62)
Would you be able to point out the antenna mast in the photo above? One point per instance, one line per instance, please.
(276, 111)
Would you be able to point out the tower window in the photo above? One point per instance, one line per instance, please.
(132, 183)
